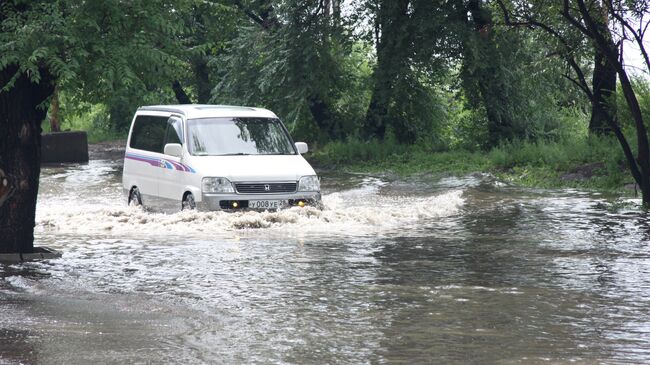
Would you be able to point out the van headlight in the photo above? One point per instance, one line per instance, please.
(309, 183)
(216, 185)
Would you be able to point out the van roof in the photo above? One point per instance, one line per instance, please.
(194, 111)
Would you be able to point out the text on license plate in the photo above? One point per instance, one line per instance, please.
(266, 204)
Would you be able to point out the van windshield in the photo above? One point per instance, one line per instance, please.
(238, 136)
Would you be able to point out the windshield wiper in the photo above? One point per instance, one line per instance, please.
(235, 154)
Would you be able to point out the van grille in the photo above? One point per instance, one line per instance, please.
(265, 188)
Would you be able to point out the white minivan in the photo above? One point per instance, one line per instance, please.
(215, 157)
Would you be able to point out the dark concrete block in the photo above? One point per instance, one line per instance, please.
(40, 253)
(64, 147)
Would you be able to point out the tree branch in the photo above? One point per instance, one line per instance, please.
(645, 29)
(580, 84)
(638, 37)
(313, 15)
(254, 17)
(568, 50)
(180, 93)
(506, 16)
(320, 7)
(567, 15)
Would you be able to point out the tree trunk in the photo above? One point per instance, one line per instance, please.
(327, 7)
(603, 103)
(375, 124)
(641, 166)
(323, 116)
(336, 9)
(484, 72)
(593, 29)
(391, 61)
(643, 154)
(202, 77)
(55, 125)
(180, 94)
(20, 155)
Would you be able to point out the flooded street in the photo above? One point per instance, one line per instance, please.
(425, 269)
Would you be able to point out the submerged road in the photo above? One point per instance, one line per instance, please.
(425, 269)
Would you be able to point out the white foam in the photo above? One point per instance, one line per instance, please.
(351, 212)
(19, 282)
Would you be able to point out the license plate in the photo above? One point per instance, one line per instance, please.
(266, 204)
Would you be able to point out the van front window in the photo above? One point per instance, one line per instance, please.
(238, 136)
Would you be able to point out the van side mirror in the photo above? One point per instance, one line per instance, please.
(302, 147)
(174, 149)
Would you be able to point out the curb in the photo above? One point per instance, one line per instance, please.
(62, 147)
(40, 253)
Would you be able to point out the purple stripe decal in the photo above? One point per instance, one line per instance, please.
(149, 161)
(171, 165)
(178, 166)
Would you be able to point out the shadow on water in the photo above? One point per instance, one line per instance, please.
(46, 323)
(16, 340)
(15, 347)
(539, 275)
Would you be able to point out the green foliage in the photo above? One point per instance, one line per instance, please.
(642, 90)
(98, 50)
(510, 80)
(355, 151)
(295, 66)
(421, 76)
(352, 103)
(92, 118)
(466, 127)
(560, 155)
(413, 55)
(208, 29)
(597, 162)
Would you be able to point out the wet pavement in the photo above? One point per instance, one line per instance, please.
(424, 269)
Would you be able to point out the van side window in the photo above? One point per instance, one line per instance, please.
(148, 133)
(174, 131)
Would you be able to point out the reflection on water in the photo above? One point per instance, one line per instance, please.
(418, 270)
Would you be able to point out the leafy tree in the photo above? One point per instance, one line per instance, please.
(96, 47)
(208, 29)
(605, 25)
(571, 45)
(511, 75)
(289, 58)
(413, 49)
(489, 57)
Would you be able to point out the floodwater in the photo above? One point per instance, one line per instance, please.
(426, 269)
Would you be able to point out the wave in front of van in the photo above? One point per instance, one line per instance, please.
(347, 213)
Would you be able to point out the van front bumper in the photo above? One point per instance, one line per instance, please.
(224, 201)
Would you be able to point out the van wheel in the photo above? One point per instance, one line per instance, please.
(134, 198)
(188, 202)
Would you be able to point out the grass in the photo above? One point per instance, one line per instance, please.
(589, 162)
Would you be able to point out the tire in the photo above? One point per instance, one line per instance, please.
(188, 202)
(135, 200)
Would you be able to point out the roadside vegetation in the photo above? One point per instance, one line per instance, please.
(93, 119)
(589, 162)
(568, 155)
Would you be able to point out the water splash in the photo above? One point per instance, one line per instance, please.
(353, 212)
